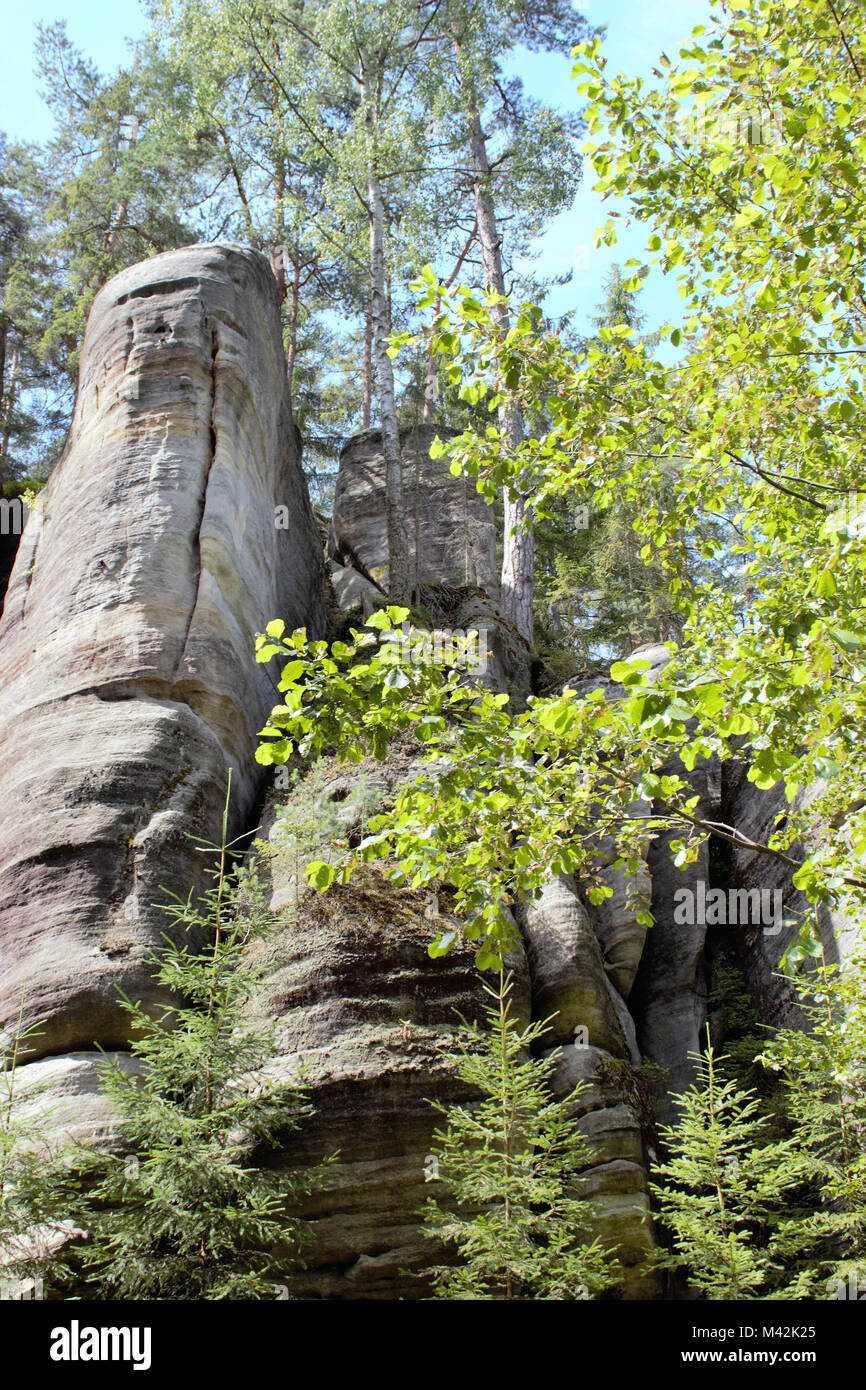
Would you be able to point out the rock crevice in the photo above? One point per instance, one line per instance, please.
(126, 647)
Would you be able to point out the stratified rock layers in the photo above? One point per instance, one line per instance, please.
(374, 1024)
(129, 688)
(451, 529)
(594, 1034)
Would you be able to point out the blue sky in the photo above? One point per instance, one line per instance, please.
(637, 32)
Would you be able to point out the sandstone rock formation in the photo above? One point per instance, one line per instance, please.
(177, 525)
(595, 1039)
(452, 536)
(669, 996)
(754, 813)
(359, 1004)
(128, 689)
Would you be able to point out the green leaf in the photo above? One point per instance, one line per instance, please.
(677, 710)
(442, 945)
(320, 875)
(381, 619)
(848, 641)
(291, 671)
(826, 584)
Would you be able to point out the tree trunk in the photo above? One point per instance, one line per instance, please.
(518, 550)
(114, 224)
(9, 404)
(294, 310)
(368, 364)
(431, 386)
(399, 574)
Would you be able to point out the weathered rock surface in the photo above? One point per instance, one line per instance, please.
(175, 527)
(128, 688)
(452, 536)
(669, 997)
(616, 1183)
(374, 1022)
(504, 658)
(615, 921)
(63, 1099)
(596, 1037)
(352, 591)
(762, 944)
(568, 976)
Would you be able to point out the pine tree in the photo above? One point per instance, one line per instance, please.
(512, 1163)
(823, 1073)
(189, 1214)
(598, 597)
(740, 1207)
(122, 184)
(536, 170)
(35, 392)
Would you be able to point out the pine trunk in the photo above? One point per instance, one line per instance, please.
(294, 310)
(431, 385)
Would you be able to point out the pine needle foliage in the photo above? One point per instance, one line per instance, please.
(822, 1069)
(740, 1206)
(509, 1166)
(189, 1215)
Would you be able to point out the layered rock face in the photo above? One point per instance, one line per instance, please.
(669, 997)
(451, 530)
(593, 1039)
(373, 1021)
(452, 544)
(128, 684)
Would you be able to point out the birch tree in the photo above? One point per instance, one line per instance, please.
(386, 55)
(534, 169)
